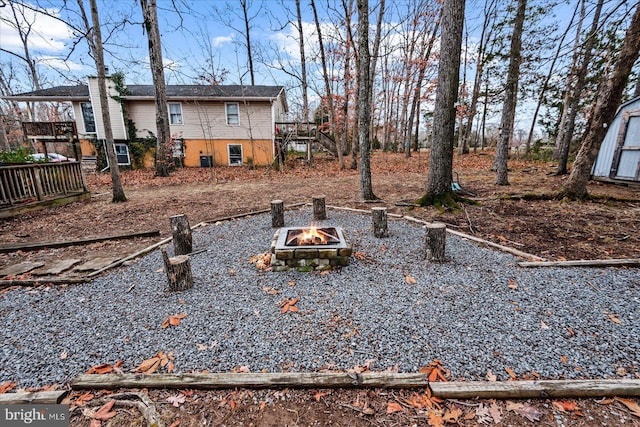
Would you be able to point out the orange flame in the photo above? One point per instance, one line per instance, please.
(311, 236)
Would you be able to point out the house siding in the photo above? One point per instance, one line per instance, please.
(259, 151)
(115, 110)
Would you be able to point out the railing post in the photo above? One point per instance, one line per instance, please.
(36, 180)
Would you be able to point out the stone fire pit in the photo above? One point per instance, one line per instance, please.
(310, 248)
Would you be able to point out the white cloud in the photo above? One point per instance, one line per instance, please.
(60, 64)
(222, 40)
(47, 33)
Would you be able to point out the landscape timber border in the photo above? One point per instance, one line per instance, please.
(446, 390)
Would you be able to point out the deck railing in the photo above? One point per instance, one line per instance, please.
(39, 181)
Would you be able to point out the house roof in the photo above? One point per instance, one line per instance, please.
(141, 92)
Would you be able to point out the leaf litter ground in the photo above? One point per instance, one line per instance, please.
(605, 228)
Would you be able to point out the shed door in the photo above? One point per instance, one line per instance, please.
(626, 159)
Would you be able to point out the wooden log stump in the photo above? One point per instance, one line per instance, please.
(434, 245)
(379, 219)
(319, 208)
(277, 213)
(182, 240)
(178, 271)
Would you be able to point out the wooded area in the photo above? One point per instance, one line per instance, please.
(370, 73)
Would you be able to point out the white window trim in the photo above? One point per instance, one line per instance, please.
(181, 113)
(229, 155)
(117, 144)
(84, 124)
(226, 113)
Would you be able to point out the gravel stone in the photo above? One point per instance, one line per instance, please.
(557, 322)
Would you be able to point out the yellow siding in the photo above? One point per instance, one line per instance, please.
(261, 151)
(87, 148)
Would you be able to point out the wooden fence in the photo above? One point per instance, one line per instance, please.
(39, 182)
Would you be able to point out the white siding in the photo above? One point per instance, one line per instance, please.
(207, 120)
(115, 110)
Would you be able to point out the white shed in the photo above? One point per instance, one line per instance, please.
(619, 156)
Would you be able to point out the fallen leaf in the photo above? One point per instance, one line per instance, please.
(543, 325)
(263, 405)
(631, 405)
(170, 367)
(563, 359)
(614, 319)
(105, 413)
(511, 373)
(291, 283)
(6, 386)
(84, 398)
(176, 423)
(63, 355)
(105, 368)
(483, 415)
(524, 410)
(244, 369)
(491, 377)
(148, 366)
(452, 416)
(317, 395)
(496, 414)
(512, 284)
(177, 399)
(435, 419)
(410, 280)
(202, 347)
(564, 405)
(393, 407)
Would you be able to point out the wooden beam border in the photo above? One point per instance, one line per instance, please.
(445, 390)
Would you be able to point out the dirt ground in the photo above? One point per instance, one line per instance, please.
(605, 227)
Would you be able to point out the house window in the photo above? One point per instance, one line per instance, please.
(87, 117)
(175, 113)
(235, 154)
(122, 154)
(233, 113)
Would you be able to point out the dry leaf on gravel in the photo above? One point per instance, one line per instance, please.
(410, 280)
(565, 405)
(105, 368)
(7, 386)
(173, 320)
(435, 371)
(289, 305)
(511, 373)
(153, 364)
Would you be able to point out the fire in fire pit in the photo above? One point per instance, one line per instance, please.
(312, 236)
(310, 248)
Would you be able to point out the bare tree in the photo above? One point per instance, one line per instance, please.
(150, 14)
(364, 101)
(576, 91)
(605, 109)
(303, 76)
(94, 38)
(444, 119)
(510, 96)
(325, 74)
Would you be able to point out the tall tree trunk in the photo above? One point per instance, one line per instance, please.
(510, 97)
(444, 116)
(570, 82)
(303, 71)
(150, 14)
(485, 36)
(605, 110)
(98, 55)
(545, 84)
(414, 114)
(364, 101)
(325, 76)
(247, 38)
(463, 148)
(576, 92)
